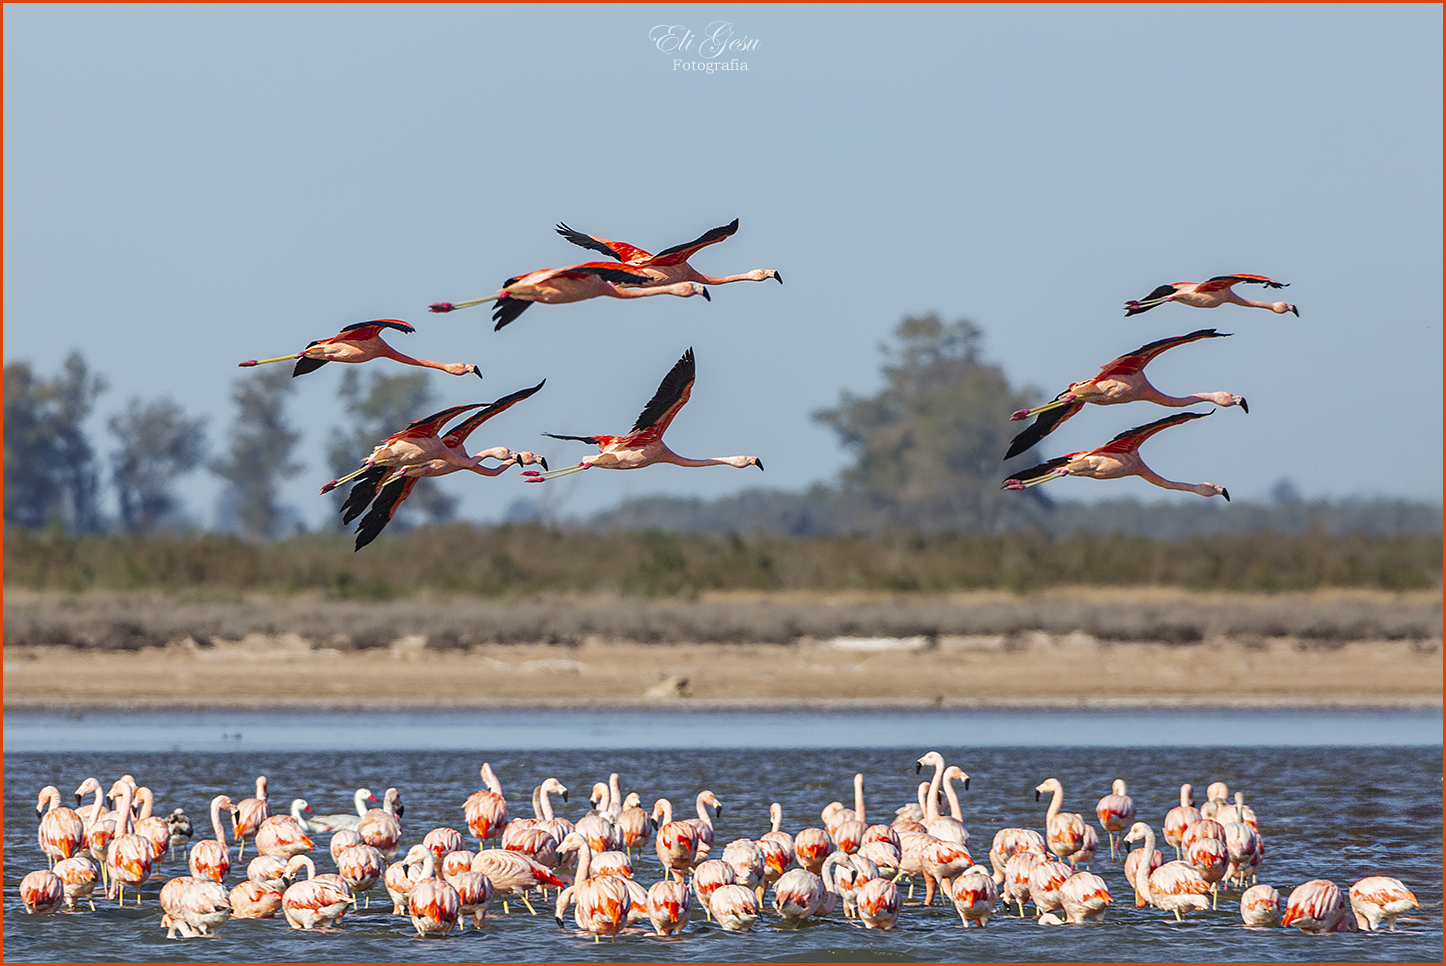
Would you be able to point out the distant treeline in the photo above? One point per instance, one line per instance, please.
(519, 559)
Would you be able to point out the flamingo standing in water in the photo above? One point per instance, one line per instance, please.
(314, 902)
(602, 901)
(635, 823)
(675, 842)
(432, 904)
(381, 828)
(77, 874)
(643, 445)
(1317, 906)
(669, 905)
(571, 283)
(1209, 294)
(671, 264)
(1260, 906)
(1380, 898)
(1116, 811)
(1179, 818)
(210, 858)
(974, 894)
(1064, 831)
(385, 488)
(735, 907)
(248, 815)
(130, 856)
(1120, 380)
(1118, 458)
(361, 342)
(42, 891)
(1175, 886)
(486, 808)
(1083, 897)
(62, 831)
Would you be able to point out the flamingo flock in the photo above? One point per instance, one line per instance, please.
(1123, 380)
(427, 447)
(845, 865)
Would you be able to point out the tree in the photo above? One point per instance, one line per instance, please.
(157, 444)
(384, 405)
(929, 445)
(259, 455)
(51, 476)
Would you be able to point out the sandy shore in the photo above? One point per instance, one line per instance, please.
(1086, 647)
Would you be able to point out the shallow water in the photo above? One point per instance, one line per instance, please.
(1326, 810)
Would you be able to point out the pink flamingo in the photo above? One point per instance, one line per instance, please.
(1120, 380)
(385, 488)
(1211, 858)
(571, 283)
(153, 827)
(512, 873)
(1317, 906)
(210, 858)
(643, 445)
(811, 848)
(248, 815)
(61, 831)
(602, 901)
(1010, 841)
(474, 892)
(77, 874)
(669, 904)
(281, 835)
(433, 904)
(313, 902)
(361, 342)
(361, 867)
(949, 828)
(635, 823)
(974, 895)
(419, 442)
(878, 904)
(1152, 859)
(381, 828)
(254, 900)
(671, 264)
(735, 907)
(748, 861)
(442, 840)
(204, 906)
(1179, 818)
(1175, 886)
(1209, 294)
(1017, 870)
(1116, 459)
(486, 809)
(1260, 906)
(42, 891)
(709, 876)
(676, 843)
(1064, 831)
(800, 894)
(1084, 897)
(1116, 811)
(1380, 898)
(130, 856)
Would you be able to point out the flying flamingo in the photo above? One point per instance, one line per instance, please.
(61, 831)
(669, 265)
(571, 283)
(1120, 380)
(1380, 898)
(417, 443)
(1118, 458)
(42, 891)
(1317, 906)
(361, 342)
(643, 445)
(1116, 811)
(1175, 886)
(385, 488)
(248, 815)
(1209, 294)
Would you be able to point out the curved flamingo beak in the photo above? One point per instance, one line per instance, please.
(1295, 311)
(1243, 404)
(564, 794)
(1225, 493)
(1036, 794)
(918, 767)
(542, 461)
(706, 296)
(778, 278)
(760, 464)
(477, 372)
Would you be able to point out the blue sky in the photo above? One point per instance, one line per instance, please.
(187, 187)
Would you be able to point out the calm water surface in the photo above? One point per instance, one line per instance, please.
(1330, 806)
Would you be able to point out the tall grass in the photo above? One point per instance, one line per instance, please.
(513, 560)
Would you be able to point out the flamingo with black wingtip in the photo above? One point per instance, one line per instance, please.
(571, 283)
(1118, 458)
(1120, 380)
(385, 488)
(644, 445)
(671, 264)
(361, 342)
(418, 443)
(1211, 293)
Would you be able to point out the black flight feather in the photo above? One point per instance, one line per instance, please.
(1044, 424)
(305, 365)
(383, 323)
(380, 514)
(586, 241)
(1035, 472)
(362, 493)
(508, 309)
(717, 234)
(669, 391)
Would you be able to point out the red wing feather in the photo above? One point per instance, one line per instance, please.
(606, 271)
(1131, 439)
(370, 330)
(1137, 360)
(428, 425)
(681, 253)
(622, 251)
(1221, 282)
(458, 434)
